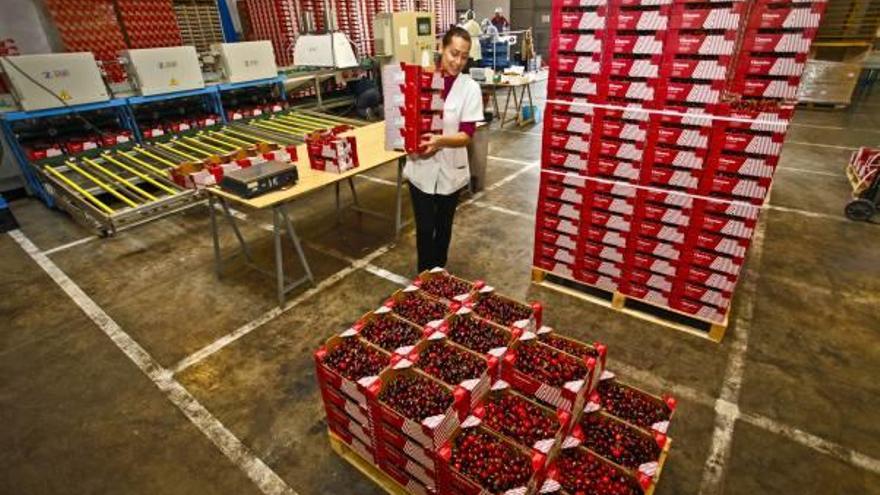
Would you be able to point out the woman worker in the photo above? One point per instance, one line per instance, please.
(441, 171)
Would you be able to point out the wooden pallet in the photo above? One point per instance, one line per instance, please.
(644, 310)
(392, 487)
(823, 105)
(372, 472)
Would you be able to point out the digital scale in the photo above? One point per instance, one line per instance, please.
(260, 179)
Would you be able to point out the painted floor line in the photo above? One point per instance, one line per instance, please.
(273, 313)
(820, 145)
(512, 160)
(726, 407)
(69, 245)
(262, 475)
(813, 172)
(506, 211)
(806, 213)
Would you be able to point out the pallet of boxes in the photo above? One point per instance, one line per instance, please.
(664, 124)
(452, 388)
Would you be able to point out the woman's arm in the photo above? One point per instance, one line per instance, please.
(433, 142)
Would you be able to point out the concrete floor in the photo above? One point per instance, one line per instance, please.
(83, 413)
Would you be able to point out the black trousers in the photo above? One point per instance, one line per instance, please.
(434, 214)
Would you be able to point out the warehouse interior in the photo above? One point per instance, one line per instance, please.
(132, 362)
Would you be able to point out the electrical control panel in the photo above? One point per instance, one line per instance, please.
(156, 71)
(73, 79)
(246, 61)
(406, 37)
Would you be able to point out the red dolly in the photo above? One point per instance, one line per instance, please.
(863, 172)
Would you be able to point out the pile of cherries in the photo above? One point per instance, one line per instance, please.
(445, 286)
(569, 346)
(487, 460)
(449, 364)
(519, 419)
(416, 397)
(354, 360)
(501, 311)
(618, 442)
(390, 332)
(631, 405)
(476, 334)
(581, 472)
(548, 365)
(419, 309)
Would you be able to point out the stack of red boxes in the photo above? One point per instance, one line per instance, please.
(91, 26)
(273, 20)
(149, 23)
(413, 105)
(331, 152)
(665, 123)
(448, 380)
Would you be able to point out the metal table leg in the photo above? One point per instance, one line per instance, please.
(338, 204)
(218, 261)
(279, 255)
(354, 194)
(296, 244)
(398, 207)
(281, 222)
(231, 220)
(507, 104)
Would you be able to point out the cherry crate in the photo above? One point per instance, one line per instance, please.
(413, 105)
(664, 127)
(473, 422)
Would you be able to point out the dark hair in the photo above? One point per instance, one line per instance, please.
(453, 32)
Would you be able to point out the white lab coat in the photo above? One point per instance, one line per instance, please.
(448, 170)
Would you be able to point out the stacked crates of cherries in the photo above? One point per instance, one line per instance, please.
(414, 102)
(452, 388)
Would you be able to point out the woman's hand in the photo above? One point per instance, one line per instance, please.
(430, 144)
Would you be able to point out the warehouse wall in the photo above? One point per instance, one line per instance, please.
(534, 14)
(484, 8)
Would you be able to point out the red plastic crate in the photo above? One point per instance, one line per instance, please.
(330, 378)
(729, 226)
(754, 143)
(615, 169)
(650, 279)
(706, 43)
(557, 224)
(569, 397)
(786, 15)
(699, 310)
(657, 248)
(694, 159)
(608, 220)
(603, 252)
(769, 64)
(579, 64)
(561, 118)
(667, 198)
(636, 67)
(561, 159)
(655, 19)
(358, 413)
(406, 467)
(576, 143)
(410, 484)
(556, 253)
(754, 189)
(614, 204)
(707, 16)
(559, 209)
(748, 166)
(694, 92)
(633, 89)
(669, 233)
(705, 295)
(653, 263)
(645, 293)
(580, 42)
(556, 267)
(638, 44)
(558, 191)
(709, 278)
(605, 236)
(574, 85)
(679, 178)
(723, 244)
(683, 136)
(597, 279)
(554, 239)
(387, 435)
(671, 215)
(690, 68)
(622, 129)
(623, 150)
(782, 88)
(775, 42)
(587, 20)
(716, 262)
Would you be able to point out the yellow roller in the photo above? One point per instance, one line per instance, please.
(294, 126)
(160, 173)
(193, 148)
(219, 135)
(206, 137)
(176, 152)
(101, 184)
(317, 120)
(276, 127)
(151, 155)
(143, 176)
(258, 139)
(120, 179)
(78, 189)
(301, 121)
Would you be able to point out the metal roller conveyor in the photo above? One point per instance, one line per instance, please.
(329, 117)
